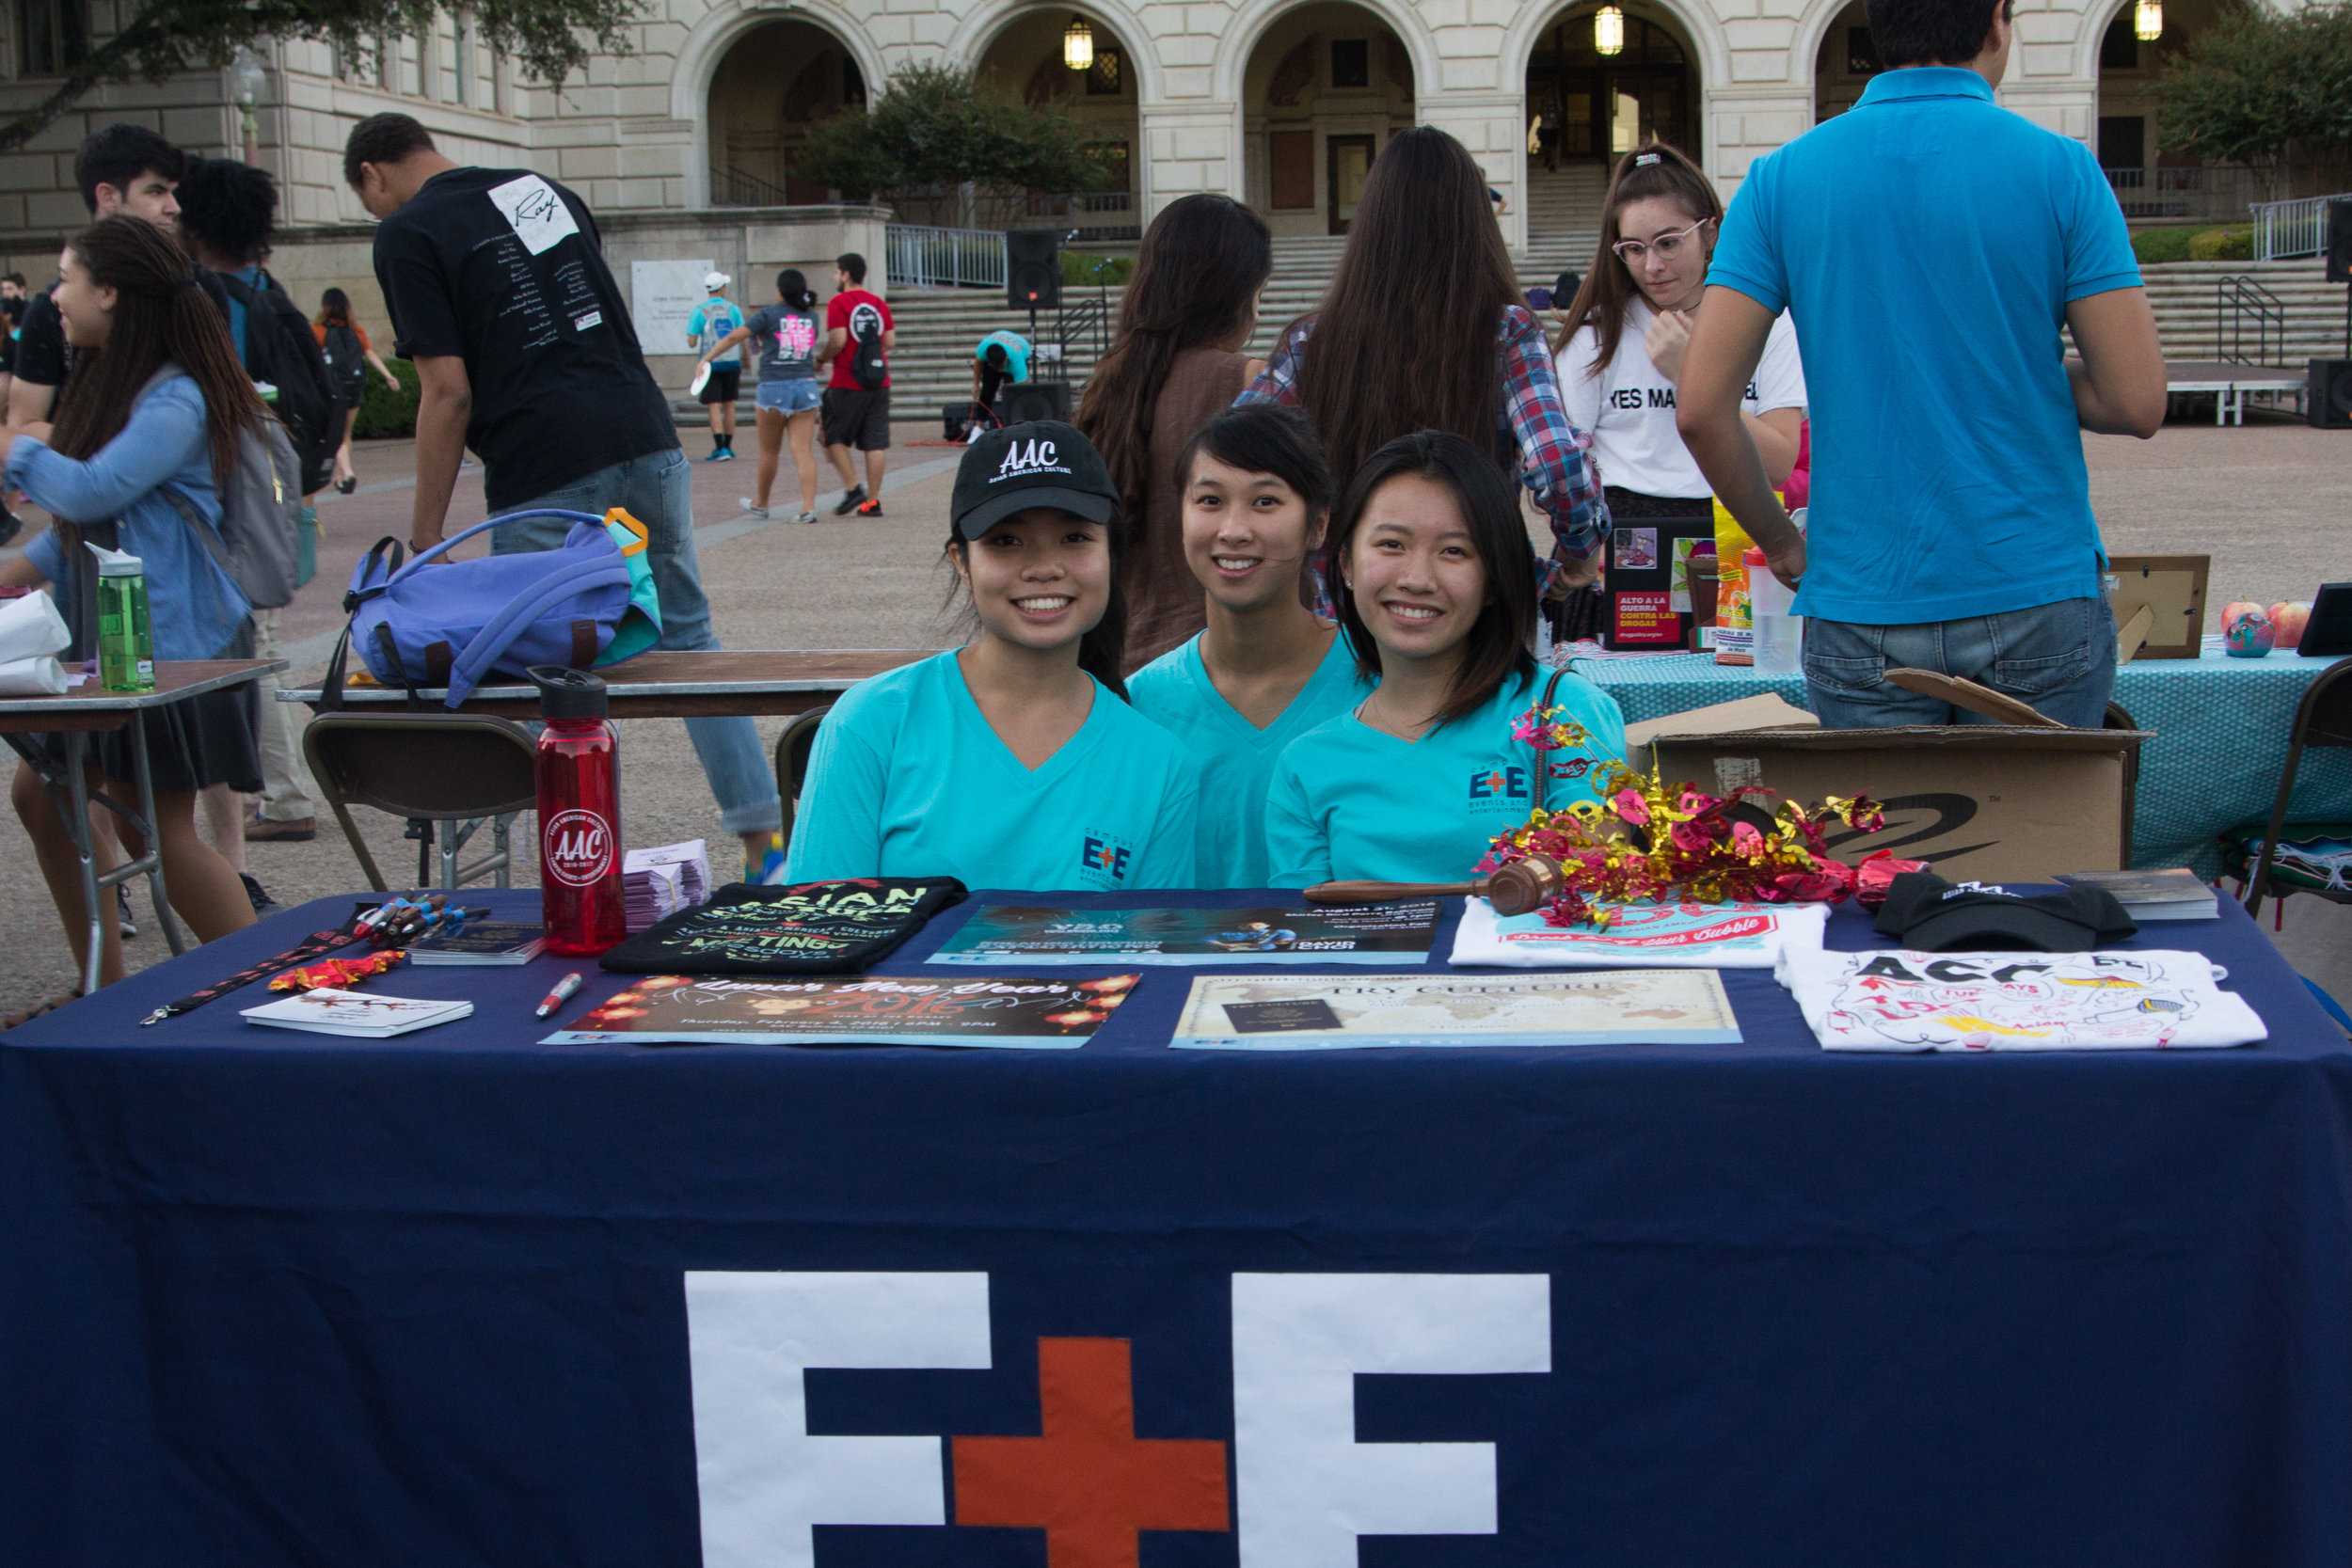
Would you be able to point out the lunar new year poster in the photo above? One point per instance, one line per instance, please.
(878, 1009)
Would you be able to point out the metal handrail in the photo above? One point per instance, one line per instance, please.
(924, 257)
(2237, 300)
(732, 188)
(2297, 228)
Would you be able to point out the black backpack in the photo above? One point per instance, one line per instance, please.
(868, 369)
(280, 349)
(346, 365)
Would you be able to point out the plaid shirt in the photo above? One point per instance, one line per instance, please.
(1552, 461)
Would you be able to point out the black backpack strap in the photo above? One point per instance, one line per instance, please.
(1543, 768)
(331, 689)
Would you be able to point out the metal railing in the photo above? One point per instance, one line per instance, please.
(2238, 302)
(2196, 191)
(926, 257)
(2298, 228)
(1098, 216)
(732, 188)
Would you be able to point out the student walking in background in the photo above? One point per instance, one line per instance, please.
(348, 353)
(715, 320)
(1423, 328)
(1950, 511)
(1178, 360)
(524, 349)
(145, 431)
(784, 336)
(859, 334)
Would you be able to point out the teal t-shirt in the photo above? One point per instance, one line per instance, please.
(907, 780)
(1348, 802)
(1234, 756)
(1927, 243)
(712, 320)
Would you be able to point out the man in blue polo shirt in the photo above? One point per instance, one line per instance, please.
(1929, 245)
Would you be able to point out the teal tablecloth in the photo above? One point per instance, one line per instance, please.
(2219, 724)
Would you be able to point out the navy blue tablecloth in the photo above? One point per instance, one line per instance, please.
(271, 1299)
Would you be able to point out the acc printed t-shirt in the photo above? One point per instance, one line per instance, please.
(1630, 406)
(787, 341)
(907, 780)
(1349, 802)
(850, 311)
(502, 268)
(1235, 757)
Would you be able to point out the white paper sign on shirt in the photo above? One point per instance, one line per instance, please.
(537, 215)
(662, 297)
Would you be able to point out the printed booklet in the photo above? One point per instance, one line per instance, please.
(1052, 934)
(358, 1014)
(1271, 1012)
(877, 1009)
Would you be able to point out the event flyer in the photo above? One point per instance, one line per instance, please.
(1049, 934)
(877, 1009)
(1270, 1012)
(1677, 934)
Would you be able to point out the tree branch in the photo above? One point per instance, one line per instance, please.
(107, 61)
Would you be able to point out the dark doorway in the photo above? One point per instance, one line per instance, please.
(1349, 164)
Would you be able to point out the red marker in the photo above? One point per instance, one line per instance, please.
(560, 995)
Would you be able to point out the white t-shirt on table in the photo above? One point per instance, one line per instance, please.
(1630, 407)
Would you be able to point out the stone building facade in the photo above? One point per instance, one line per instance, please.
(1280, 101)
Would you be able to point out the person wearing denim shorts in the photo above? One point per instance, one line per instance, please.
(498, 292)
(1931, 247)
(785, 336)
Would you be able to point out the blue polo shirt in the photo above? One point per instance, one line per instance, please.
(1927, 245)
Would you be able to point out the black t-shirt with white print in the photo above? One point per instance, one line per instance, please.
(503, 268)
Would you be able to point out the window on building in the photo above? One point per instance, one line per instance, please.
(1351, 62)
(53, 36)
(2118, 48)
(1107, 77)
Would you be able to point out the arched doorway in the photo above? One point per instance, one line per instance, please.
(1585, 108)
(1326, 85)
(2151, 179)
(1843, 66)
(1029, 60)
(776, 82)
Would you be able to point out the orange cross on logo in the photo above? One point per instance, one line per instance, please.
(1088, 1481)
(1494, 782)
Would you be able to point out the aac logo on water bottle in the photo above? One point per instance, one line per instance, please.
(576, 847)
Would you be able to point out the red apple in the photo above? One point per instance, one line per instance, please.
(2287, 620)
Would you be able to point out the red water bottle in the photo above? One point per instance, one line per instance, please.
(579, 814)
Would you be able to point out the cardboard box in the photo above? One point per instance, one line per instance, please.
(1973, 800)
(1763, 712)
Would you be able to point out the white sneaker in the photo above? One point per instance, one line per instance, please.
(745, 502)
(805, 517)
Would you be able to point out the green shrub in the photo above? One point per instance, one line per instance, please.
(384, 413)
(1078, 269)
(2221, 245)
(2153, 245)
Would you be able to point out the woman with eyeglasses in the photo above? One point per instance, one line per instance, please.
(1624, 337)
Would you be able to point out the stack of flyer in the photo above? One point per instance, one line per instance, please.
(658, 883)
(358, 1014)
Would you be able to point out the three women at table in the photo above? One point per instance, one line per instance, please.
(144, 429)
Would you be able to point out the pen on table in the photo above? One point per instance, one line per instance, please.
(562, 994)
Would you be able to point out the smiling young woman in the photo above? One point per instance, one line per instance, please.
(1413, 783)
(1014, 760)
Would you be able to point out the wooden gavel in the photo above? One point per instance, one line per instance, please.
(1519, 888)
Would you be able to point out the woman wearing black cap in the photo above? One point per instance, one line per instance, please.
(1013, 761)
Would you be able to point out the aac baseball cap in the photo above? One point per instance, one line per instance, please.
(1933, 915)
(715, 280)
(1039, 463)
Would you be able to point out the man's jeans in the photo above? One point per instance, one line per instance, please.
(285, 781)
(2057, 657)
(658, 490)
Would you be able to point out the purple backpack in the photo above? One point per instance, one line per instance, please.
(457, 624)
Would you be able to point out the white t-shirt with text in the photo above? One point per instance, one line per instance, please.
(1630, 407)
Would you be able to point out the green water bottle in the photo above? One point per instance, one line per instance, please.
(126, 648)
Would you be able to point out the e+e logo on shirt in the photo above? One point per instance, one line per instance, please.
(1488, 783)
(1104, 858)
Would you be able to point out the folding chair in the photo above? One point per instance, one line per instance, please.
(792, 748)
(2280, 858)
(456, 770)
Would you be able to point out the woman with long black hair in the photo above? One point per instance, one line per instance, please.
(1187, 312)
(145, 430)
(1423, 328)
